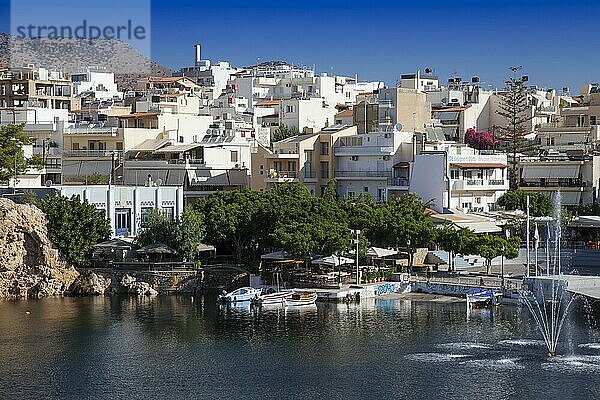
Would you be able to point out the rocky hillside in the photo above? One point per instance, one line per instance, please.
(29, 266)
(70, 54)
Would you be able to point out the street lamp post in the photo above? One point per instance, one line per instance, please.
(356, 240)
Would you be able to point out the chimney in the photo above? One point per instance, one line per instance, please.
(198, 53)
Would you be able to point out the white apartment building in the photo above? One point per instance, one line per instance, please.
(375, 163)
(97, 81)
(128, 207)
(311, 115)
(219, 160)
(45, 126)
(567, 161)
(455, 176)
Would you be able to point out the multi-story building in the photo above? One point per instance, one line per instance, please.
(310, 115)
(374, 163)
(212, 78)
(455, 176)
(31, 87)
(408, 107)
(45, 126)
(96, 81)
(219, 160)
(567, 161)
(127, 207)
(307, 159)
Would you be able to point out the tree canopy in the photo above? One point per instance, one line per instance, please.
(283, 132)
(74, 227)
(182, 235)
(12, 140)
(516, 199)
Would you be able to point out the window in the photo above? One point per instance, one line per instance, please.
(145, 212)
(234, 156)
(180, 139)
(324, 170)
(454, 174)
(75, 146)
(324, 148)
(351, 195)
(593, 120)
(366, 189)
(119, 146)
(169, 212)
(122, 222)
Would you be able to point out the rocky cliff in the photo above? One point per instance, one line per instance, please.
(29, 266)
(71, 54)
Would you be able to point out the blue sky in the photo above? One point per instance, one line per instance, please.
(556, 41)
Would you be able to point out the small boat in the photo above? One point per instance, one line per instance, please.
(241, 294)
(273, 298)
(301, 299)
(479, 298)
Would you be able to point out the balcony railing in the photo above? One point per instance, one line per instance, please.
(554, 184)
(363, 174)
(283, 174)
(398, 182)
(93, 153)
(91, 130)
(310, 174)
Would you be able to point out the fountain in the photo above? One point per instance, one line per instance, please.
(550, 310)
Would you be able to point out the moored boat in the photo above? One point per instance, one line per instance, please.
(483, 298)
(273, 298)
(241, 294)
(301, 299)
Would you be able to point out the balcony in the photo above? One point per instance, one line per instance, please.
(363, 174)
(282, 176)
(363, 150)
(567, 183)
(92, 153)
(91, 130)
(479, 184)
(398, 182)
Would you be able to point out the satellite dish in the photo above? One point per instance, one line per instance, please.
(427, 70)
(398, 127)
(48, 183)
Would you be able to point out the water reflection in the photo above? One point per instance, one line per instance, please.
(182, 347)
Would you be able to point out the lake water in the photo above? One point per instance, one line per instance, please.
(171, 347)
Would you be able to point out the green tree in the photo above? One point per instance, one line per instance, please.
(183, 235)
(403, 223)
(234, 220)
(490, 247)
(455, 241)
(74, 227)
(96, 179)
(516, 199)
(12, 140)
(283, 132)
(514, 107)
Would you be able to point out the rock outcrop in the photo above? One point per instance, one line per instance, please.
(29, 266)
(91, 284)
(130, 285)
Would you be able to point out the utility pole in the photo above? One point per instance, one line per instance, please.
(528, 255)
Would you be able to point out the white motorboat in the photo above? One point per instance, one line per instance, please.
(239, 295)
(301, 299)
